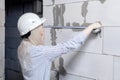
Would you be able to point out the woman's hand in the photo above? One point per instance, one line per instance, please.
(91, 27)
(96, 25)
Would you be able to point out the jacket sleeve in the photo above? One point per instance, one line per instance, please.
(54, 51)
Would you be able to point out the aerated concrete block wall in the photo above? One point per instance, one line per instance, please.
(2, 38)
(99, 57)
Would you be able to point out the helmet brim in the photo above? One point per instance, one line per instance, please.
(40, 22)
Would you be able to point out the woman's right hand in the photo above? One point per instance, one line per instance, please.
(96, 25)
(91, 27)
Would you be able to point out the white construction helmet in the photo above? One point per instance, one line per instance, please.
(28, 22)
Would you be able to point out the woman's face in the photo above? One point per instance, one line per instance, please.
(40, 32)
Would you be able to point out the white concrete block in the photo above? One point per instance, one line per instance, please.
(116, 68)
(93, 44)
(99, 67)
(64, 35)
(74, 77)
(2, 4)
(2, 34)
(47, 2)
(95, 12)
(111, 41)
(107, 12)
(2, 18)
(73, 15)
(48, 14)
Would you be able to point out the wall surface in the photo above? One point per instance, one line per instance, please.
(2, 38)
(99, 57)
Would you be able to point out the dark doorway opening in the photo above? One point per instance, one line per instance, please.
(14, 9)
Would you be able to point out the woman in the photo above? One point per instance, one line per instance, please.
(35, 58)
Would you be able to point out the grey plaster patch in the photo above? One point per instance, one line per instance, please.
(53, 66)
(84, 10)
(58, 11)
(68, 24)
(102, 1)
(76, 24)
(55, 17)
(62, 7)
(62, 70)
(53, 2)
(53, 75)
(86, 24)
(53, 36)
(53, 39)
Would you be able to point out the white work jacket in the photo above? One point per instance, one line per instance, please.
(36, 60)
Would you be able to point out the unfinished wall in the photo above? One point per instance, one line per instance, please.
(2, 38)
(99, 58)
